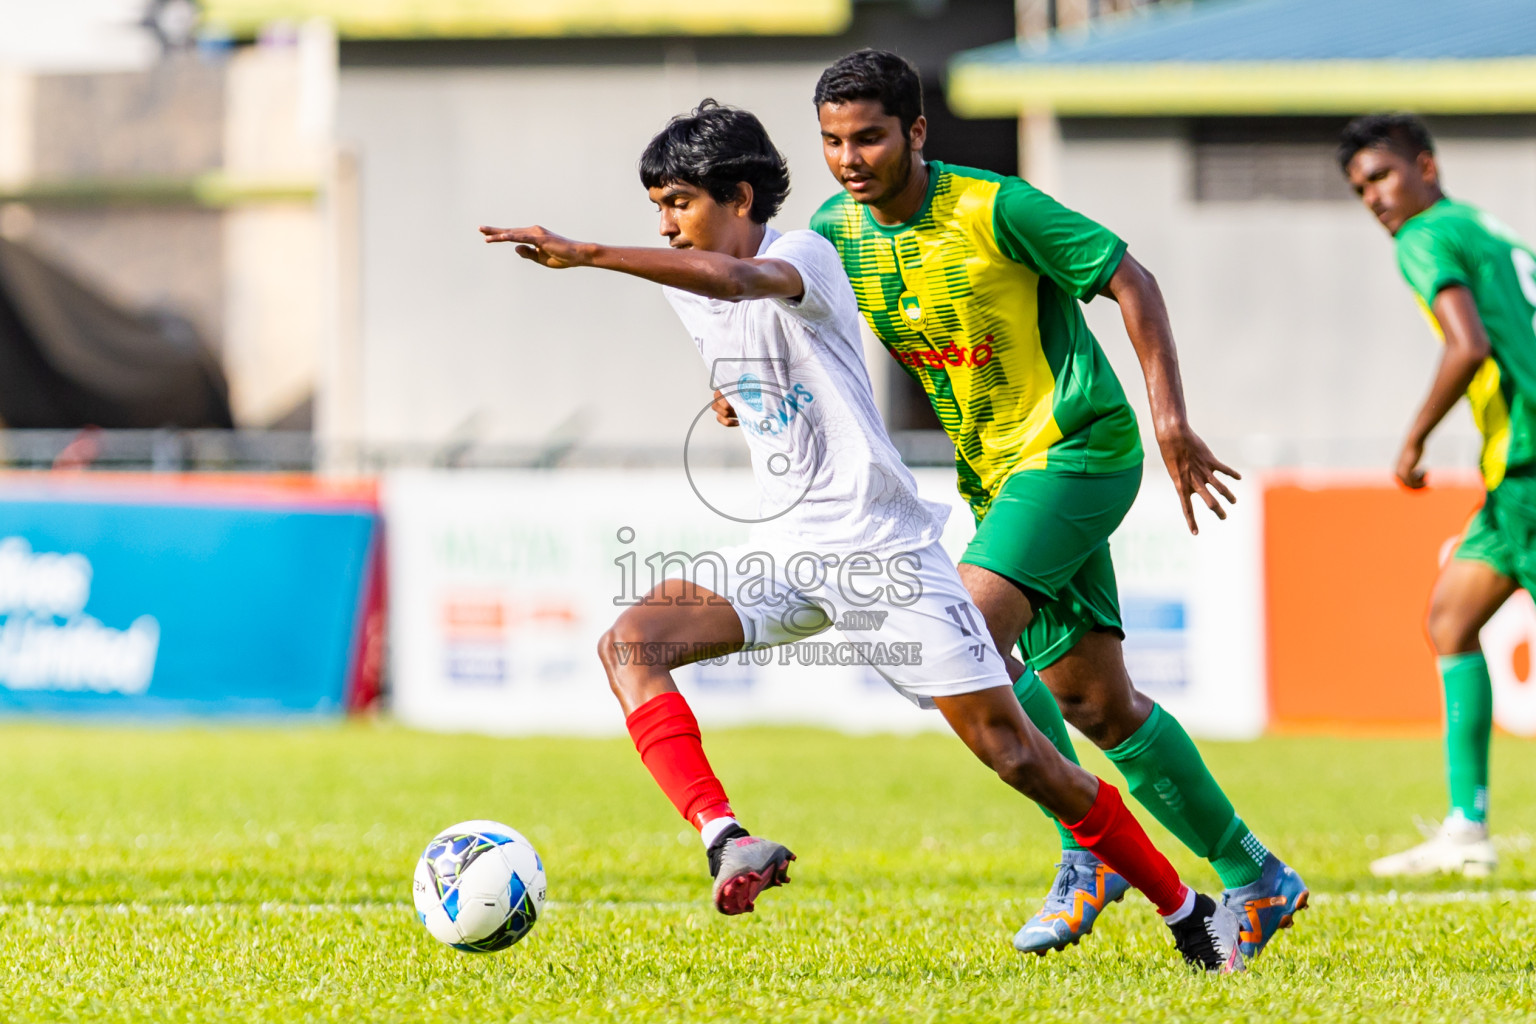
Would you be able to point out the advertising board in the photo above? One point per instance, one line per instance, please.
(1350, 562)
(136, 597)
(502, 583)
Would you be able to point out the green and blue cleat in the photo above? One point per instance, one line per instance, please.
(1084, 886)
(1267, 905)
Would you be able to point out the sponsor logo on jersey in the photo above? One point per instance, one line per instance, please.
(950, 355)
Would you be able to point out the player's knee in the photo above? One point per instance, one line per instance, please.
(623, 644)
(1103, 717)
(1449, 630)
(607, 654)
(1107, 718)
(1090, 714)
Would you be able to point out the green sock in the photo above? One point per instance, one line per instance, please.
(1167, 775)
(1468, 724)
(1042, 710)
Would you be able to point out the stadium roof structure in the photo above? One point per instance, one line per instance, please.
(423, 19)
(1266, 57)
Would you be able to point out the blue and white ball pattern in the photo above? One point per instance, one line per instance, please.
(479, 886)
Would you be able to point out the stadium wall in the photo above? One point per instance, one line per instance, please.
(1299, 344)
(462, 343)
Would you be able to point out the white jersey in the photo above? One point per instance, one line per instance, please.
(827, 474)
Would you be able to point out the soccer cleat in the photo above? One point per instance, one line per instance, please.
(1084, 886)
(1266, 905)
(1455, 845)
(1208, 937)
(747, 866)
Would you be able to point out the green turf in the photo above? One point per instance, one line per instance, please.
(264, 875)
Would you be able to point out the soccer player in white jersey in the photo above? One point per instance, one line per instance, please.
(842, 526)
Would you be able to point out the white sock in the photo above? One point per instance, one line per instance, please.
(1185, 909)
(712, 829)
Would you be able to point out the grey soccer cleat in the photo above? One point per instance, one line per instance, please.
(747, 866)
(1209, 937)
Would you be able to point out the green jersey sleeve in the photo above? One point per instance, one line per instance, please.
(1430, 260)
(1031, 228)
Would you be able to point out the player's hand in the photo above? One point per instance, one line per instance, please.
(545, 248)
(1408, 472)
(725, 413)
(1194, 470)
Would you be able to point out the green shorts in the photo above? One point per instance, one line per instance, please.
(1502, 535)
(1048, 531)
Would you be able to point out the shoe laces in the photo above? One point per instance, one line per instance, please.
(1197, 939)
(1066, 879)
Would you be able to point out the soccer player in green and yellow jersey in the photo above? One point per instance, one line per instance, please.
(973, 281)
(1477, 283)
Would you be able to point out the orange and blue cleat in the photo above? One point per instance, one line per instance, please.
(1266, 905)
(1084, 887)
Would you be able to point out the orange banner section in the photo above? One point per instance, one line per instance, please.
(1349, 564)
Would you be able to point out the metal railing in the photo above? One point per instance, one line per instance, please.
(269, 451)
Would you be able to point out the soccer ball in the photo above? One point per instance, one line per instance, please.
(479, 886)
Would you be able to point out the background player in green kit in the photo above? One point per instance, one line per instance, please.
(1477, 283)
(973, 280)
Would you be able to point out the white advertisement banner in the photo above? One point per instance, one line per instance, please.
(501, 583)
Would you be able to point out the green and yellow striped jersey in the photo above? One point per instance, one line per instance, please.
(977, 297)
(1454, 243)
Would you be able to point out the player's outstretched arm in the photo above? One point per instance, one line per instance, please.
(1189, 461)
(714, 275)
(1466, 349)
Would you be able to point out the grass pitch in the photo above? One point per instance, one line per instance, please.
(251, 874)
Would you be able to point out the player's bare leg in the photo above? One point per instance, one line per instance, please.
(1466, 595)
(993, 725)
(676, 624)
(1095, 691)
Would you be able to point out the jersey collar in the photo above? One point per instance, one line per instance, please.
(934, 170)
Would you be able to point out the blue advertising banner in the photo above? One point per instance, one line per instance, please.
(186, 604)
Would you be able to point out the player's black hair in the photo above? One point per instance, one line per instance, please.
(716, 148)
(874, 75)
(1404, 134)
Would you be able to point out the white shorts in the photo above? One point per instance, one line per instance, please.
(907, 615)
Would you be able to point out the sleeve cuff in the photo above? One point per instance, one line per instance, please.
(1441, 284)
(1107, 271)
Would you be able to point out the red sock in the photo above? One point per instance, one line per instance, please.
(667, 736)
(1111, 834)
